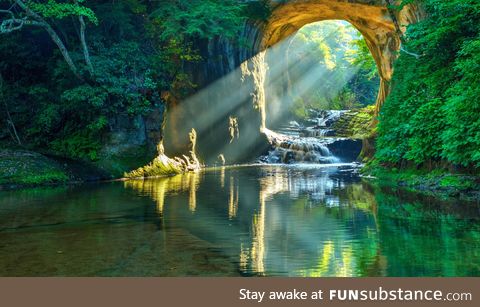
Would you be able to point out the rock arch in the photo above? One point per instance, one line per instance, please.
(379, 25)
(229, 67)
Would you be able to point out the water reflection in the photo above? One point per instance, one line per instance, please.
(306, 222)
(292, 226)
(159, 188)
(261, 221)
(233, 199)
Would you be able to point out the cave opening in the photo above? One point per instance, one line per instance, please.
(321, 86)
(231, 113)
(326, 66)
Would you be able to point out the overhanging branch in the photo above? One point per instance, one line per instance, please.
(32, 18)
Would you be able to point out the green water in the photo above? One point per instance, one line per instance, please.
(247, 221)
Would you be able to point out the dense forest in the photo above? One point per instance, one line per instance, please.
(431, 117)
(70, 69)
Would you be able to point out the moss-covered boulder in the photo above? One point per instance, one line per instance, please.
(27, 168)
(356, 124)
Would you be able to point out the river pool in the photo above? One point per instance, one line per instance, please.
(258, 220)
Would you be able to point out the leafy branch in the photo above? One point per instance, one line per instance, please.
(30, 13)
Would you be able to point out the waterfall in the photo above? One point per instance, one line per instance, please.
(292, 149)
(313, 140)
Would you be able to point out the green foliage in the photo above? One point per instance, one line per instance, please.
(77, 145)
(59, 10)
(360, 56)
(139, 50)
(258, 10)
(199, 19)
(438, 182)
(462, 138)
(174, 27)
(432, 112)
(425, 127)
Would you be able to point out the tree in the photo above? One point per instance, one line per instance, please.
(35, 13)
(431, 115)
(12, 130)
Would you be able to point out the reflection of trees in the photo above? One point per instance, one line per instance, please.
(330, 264)
(233, 199)
(341, 211)
(258, 240)
(431, 237)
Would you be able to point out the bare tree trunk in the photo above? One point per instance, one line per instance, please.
(66, 55)
(86, 53)
(53, 35)
(10, 122)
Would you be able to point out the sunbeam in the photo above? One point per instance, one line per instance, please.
(275, 79)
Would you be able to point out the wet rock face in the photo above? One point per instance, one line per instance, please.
(129, 133)
(224, 91)
(346, 149)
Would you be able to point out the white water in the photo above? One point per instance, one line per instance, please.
(295, 143)
(292, 149)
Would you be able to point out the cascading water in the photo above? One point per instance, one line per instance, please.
(298, 143)
(290, 149)
(322, 122)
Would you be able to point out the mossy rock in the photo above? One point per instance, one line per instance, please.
(356, 124)
(27, 168)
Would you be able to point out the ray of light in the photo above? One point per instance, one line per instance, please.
(210, 110)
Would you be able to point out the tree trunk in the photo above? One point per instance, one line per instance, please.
(10, 123)
(86, 53)
(53, 35)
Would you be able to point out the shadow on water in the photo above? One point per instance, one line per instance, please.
(299, 220)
